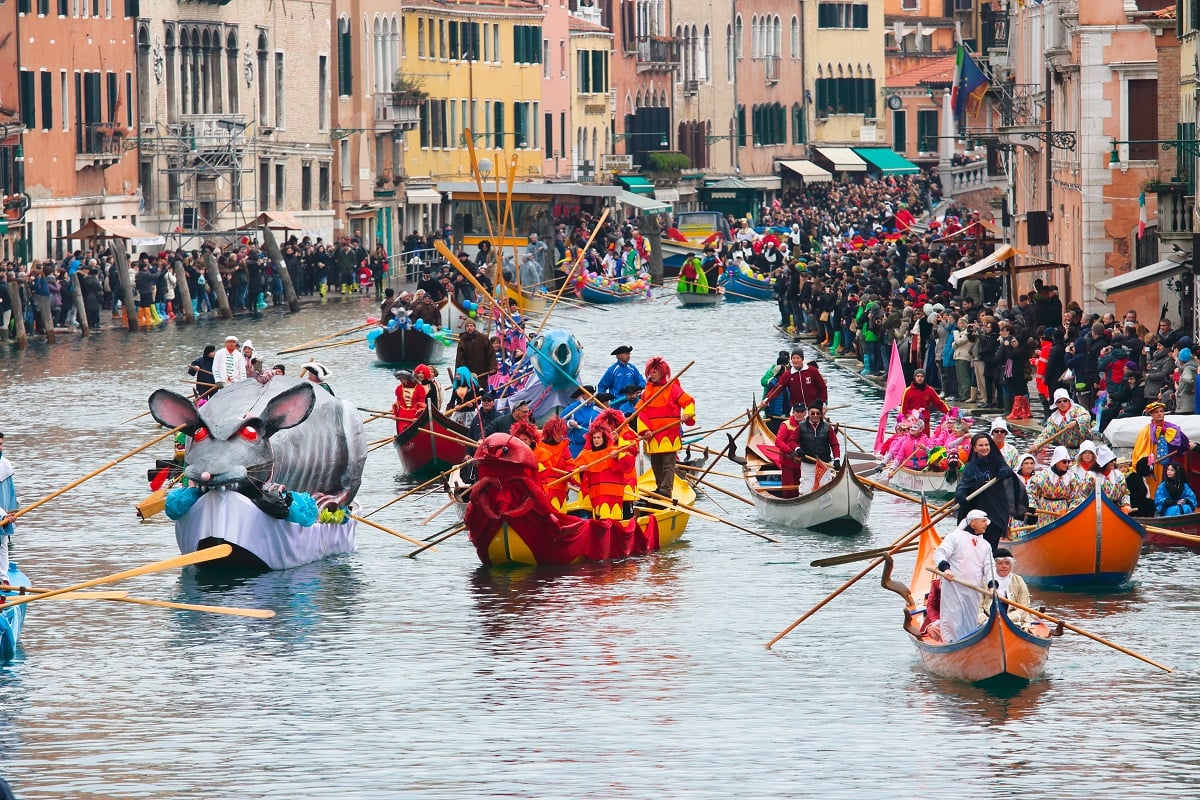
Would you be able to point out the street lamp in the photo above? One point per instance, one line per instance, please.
(663, 142)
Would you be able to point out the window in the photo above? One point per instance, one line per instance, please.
(795, 38)
(43, 7)
(842, 15)
(264, 95)
(423, 125)
(129, 99)
(344, 162)
(232, 72)
(498, 125)
(545, 58)
(496, 42)
(487, 122)
(455, 49)
(741, 126)
(280, 184)
(306, 186)
(527, 44)
(280, 120)
(562, 133)
(264, 184)
(548, 137)
(430, 43)
(442, 49)
(487, 43)
(927, 130)
(900, 131)
(345, 59)
(322, 92)
(737, 38)
(23, 6)
(910, 5)
(64, 98)
(47, 101)
(420, 37)
(799, 128)
(64, 7)
(585, 72)
(1142, 113)
(845, 96)
(521, 125)
(770, 125)
(146, 180)
(323, 185)
(28, 107)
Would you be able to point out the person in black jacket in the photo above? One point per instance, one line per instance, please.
(93, 295)
(1002, 501)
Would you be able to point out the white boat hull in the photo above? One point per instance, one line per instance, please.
(928, 483)
(841, 507)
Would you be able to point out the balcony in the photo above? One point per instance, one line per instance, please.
(691, 88)
(771, 69)
(99, 145)
(657, 54)
(995, 36)
(396, 111)
(963, 178)
(1174, 212)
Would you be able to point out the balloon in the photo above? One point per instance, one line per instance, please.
(472, 315)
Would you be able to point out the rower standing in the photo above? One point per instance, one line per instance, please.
(658, 423)
(621, 374)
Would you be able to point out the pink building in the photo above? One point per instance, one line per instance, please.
(556, 90)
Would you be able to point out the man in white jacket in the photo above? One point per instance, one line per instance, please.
(964, 555)
(229, 365)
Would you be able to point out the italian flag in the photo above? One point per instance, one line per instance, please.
(1141, 215)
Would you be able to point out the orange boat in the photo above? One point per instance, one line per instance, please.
(997, 652)
(1093, 545)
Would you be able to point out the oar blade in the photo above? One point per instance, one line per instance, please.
(253, 613)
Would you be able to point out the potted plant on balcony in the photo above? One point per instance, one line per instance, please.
(407, 91)
(665, 166)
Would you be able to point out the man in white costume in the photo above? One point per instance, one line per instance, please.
(963, 555)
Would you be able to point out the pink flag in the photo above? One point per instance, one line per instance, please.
(892, 396)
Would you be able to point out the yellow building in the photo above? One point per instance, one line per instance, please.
(844, 71)
(481, 66)
(591, 93)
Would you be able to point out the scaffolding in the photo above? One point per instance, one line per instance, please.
(207, 157)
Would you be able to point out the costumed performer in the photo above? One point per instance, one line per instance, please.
(658, 423)
(963, 555)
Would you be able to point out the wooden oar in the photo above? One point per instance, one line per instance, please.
(721, 489)
(378, 445)
(1072, 424)
(438, 513)
(100, 595)
(750, 416)
(197, 557)
(850, 558)
(333, 345)
(838, 427)
(888, 490)
(299, 347)
(455, 532)
(385, 529)
(920, 528)
(739, 294)
(571, 273)
(673, 503)
(256, 613)
(1055, 620)
(23, 511)
(450, 437)
(136, 416)
(1183, 537)
(690, 468)
(413, 491)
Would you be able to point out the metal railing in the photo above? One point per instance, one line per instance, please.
(657, 53)
(100, 138)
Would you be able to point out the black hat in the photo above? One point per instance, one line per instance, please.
(799, 406)
(632, 388)
(1003, 552)
(604, 397)
(403, 374)
(586, 388)
(487, 396)
(622, 349)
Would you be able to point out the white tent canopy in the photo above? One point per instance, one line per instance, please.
(1003, 253)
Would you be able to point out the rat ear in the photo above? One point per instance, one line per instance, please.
(289, 408)
(173, 410)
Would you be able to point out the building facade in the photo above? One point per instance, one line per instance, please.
(591, 92)
(74, 86)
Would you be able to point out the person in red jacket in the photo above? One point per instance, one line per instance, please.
(920, 397)
(410, 400)
(806, 436)
(802, 382)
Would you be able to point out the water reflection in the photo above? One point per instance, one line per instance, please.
(965, 704)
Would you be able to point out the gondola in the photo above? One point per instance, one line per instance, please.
(739, 286)
(512, 523)
(408, 347)
(12, 619)
(604, 296)
(420, 450)
(1094, 545)
(840, 507)
(932, 483)
(997, 652)
(1184, 523)
(700, 299)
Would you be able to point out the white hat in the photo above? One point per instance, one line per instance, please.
(316, 369)
(1024, 456)
(231, 338)
(1061, 394)
(1105, 455)
(999, 424)
(1061, 453)
(975, 514)
(1089, 446)
(247, 343)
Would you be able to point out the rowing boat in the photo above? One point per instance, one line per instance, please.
(693, 299)
(12, 619)
(1092, 545)
(511, 521)
(430, 443)
(840, 507)
(604, 296)
(997, 652)
(740, 286)
(934, 484)
(408, 347)
(1183, 523)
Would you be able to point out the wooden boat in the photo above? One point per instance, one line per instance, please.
(421, 451)
(408, 347)
(934, 484)
(694, 299)
(1184, 523)
(511, 521)
(604, 296)
(12, 619)
(1092, 545)
(739, 286)
(840, 507)
(998, 651)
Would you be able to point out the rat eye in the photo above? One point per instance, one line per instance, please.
(249, 433)
(200, 435)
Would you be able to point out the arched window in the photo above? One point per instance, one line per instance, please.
(705, 65)
(776, 38)
(795, 37)
(729, 59)
(264, 97)
(345, 58)
(737, 38)
(231, 70)
(143, 74)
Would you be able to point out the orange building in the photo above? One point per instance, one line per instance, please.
(74, 86)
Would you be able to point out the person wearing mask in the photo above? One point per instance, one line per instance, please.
(1002, 501)
(1055, 491)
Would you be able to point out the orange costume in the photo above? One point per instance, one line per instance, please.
(554, 461)
(658, 420)
(409, 405)
(602, 480)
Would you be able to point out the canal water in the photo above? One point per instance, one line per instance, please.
(384, 676)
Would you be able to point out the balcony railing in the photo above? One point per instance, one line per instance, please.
(657, 54)
(1175, 213)
(966, 177)
(99, 144)
(396, 110)
(1019, 104)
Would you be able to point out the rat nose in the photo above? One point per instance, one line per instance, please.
(206, 476)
